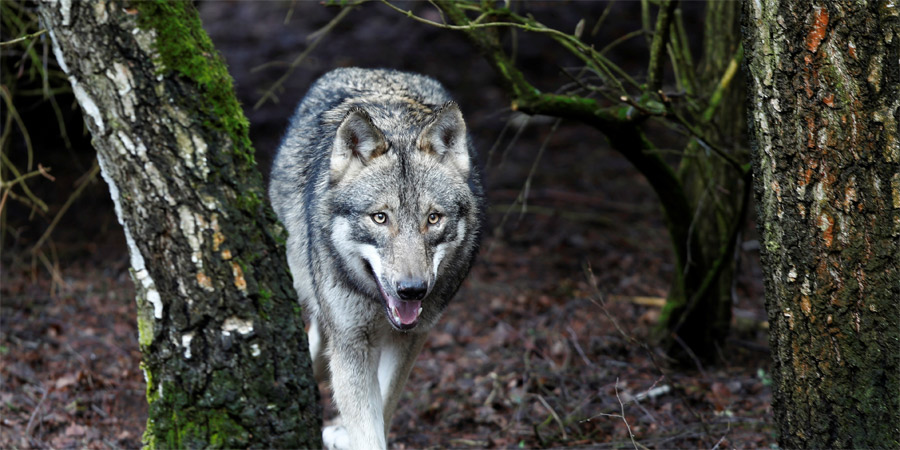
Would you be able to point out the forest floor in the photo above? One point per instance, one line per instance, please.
(531, 353)
(548, 343)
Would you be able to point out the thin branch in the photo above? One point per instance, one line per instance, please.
(512, 142)
(728, 247)
(603, 15)
(22, 38)
(622, 406)
(658, 45)
(40, 171)
(683, 48)
(740, 168)
(473, 24)
(730, 71)
(14, 115)
(30, 426)
(555, 416)
(319, 35)
(490, 154)
(537, 159)
(95, 169)
(620, 40)
(597, 299)
(572, 43)
(34, 199)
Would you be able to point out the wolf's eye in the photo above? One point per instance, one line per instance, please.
(379, 218)
(434, 218)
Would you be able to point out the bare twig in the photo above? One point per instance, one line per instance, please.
(555, 416)
(622, 406)
(490, 154)
(578, 48)
(513, 141)
(684, 52)
(95, 169)
(41, 171)
(523, 194)
(578, 347)
(318, 36)
(658, 44)
(537, 159)
(603, 15)
(701, 138)
(620, 40)
(597, 299)
(473, 24)
(55, 274)
(721, 439)
(14, 115)
(690, 353)
(30, 427)
(22, 38)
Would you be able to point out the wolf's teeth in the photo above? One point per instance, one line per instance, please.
(395, 313)
(420, 311)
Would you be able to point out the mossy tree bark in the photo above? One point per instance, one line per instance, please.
(224, 351)
(698, 310)
(824, 81)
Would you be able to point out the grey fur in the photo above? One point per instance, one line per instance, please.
(370, 159)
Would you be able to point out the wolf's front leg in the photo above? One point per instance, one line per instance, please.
(354, 382)
(397, 359)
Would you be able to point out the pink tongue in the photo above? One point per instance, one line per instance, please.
(408, 311)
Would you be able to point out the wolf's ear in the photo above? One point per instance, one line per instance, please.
(356, 143)
(446, 137)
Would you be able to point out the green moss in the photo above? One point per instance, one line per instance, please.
(193, 426)
(250, 201)
(151, 386)
(184, 48)
(209, 429)
(225, 432)
(145, 329)
(265, 303)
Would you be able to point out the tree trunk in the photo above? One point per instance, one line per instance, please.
(824, 111)
(700, 316)
(224, 351)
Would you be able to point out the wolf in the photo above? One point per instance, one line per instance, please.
(376, 184)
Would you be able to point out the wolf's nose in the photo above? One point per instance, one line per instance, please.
(411, 289)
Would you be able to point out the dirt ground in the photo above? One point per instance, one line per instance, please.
(548, 343)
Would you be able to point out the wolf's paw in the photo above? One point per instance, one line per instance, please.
(335, 437)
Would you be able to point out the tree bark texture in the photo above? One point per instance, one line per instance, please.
(224, 350)
(824, 80)
(700, 316)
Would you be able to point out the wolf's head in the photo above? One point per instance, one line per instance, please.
(405, 214)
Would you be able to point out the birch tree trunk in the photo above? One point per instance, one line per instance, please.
(824, 112)
(224, 350)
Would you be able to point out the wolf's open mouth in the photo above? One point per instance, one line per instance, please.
(402, 314)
